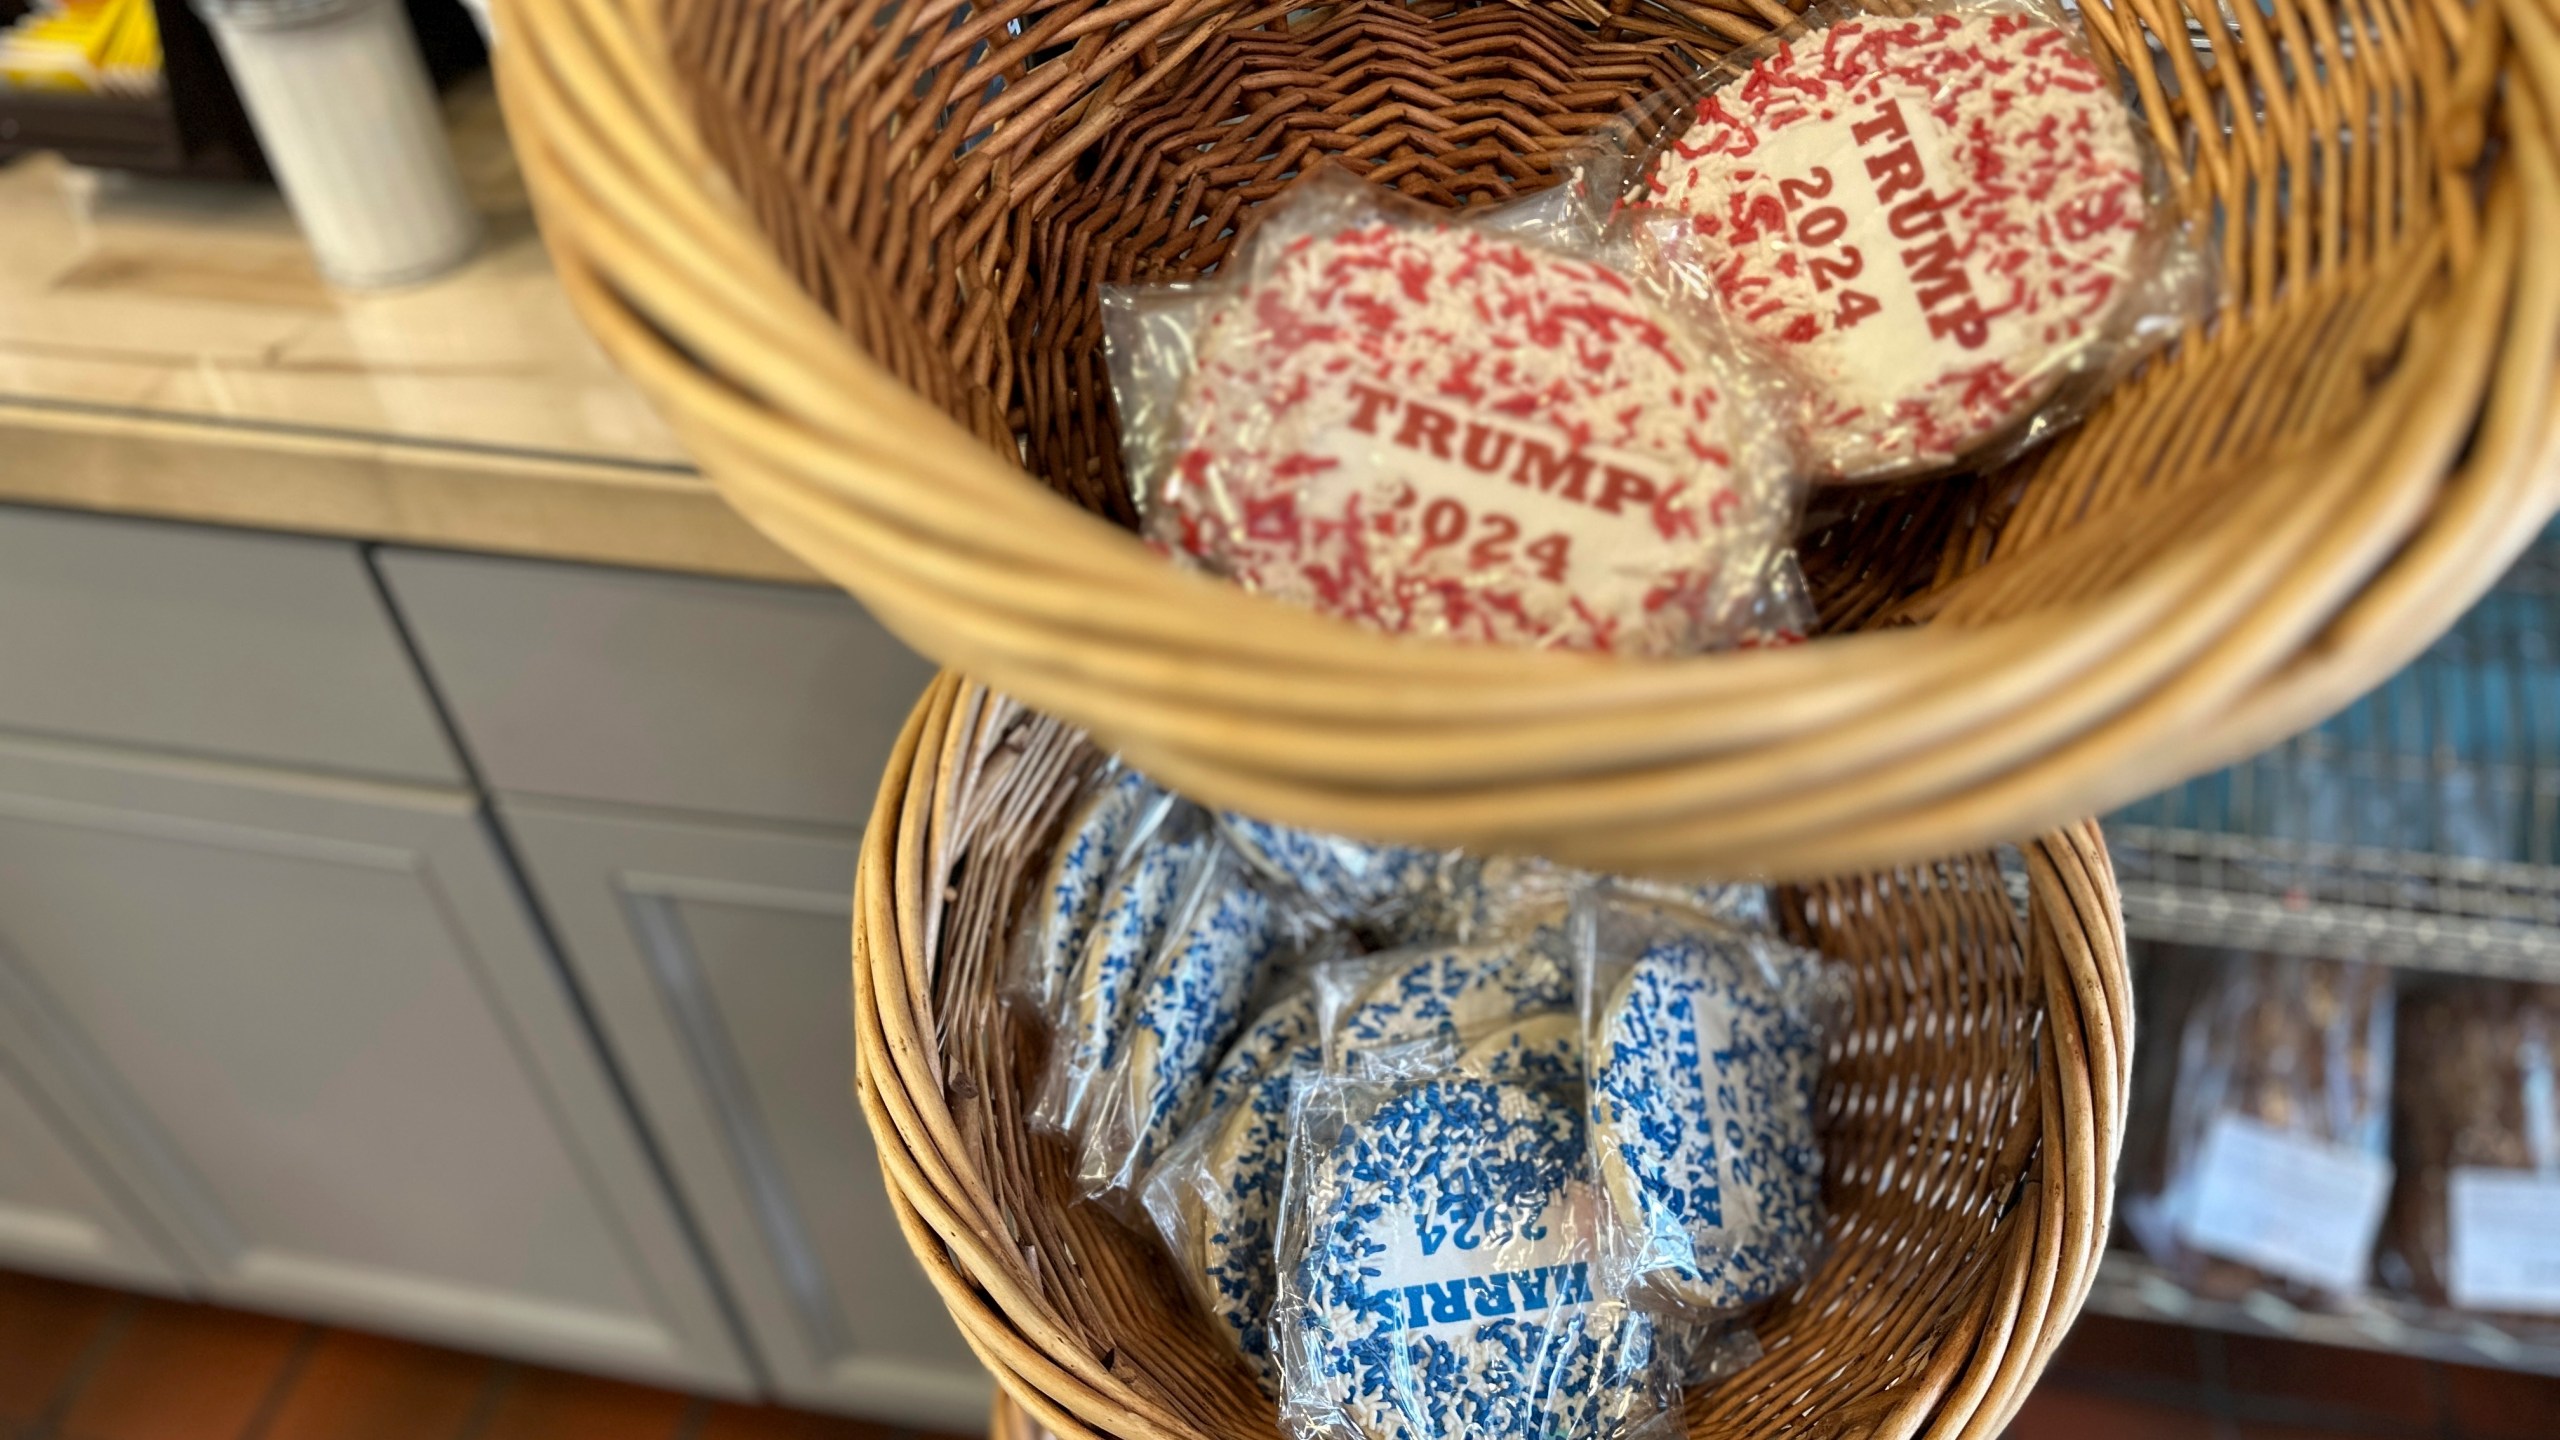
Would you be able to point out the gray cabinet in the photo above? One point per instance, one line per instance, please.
(281, 1022)
(309, 1024)
(665, 691)
(682, 765)
(57, 1212)
(718, 959)
(268, 648)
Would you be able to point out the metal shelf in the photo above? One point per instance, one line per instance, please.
(2424, 911)
(2130, 1286)
(2420, 827)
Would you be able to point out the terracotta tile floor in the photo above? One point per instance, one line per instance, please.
(84, 1364)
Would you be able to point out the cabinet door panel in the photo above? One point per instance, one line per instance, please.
(269, 648)
(719, 961)
(763, 701)
(337, 1055)
(57, 1214)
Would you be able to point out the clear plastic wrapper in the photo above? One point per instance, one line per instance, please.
(1119, 810)
(1217, 954)
(1704, 1049)
(2279, 1116)
(1335, 880)
(1491, 1007)
(1215, 1193)
(2475, 1217)
(1429, 424)
(1947, 232)
(1476, 896)
(1091, 1018)
(1438, 1277)
(1499, 1009)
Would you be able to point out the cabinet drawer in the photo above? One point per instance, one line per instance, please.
(215, 642)
(660, 690)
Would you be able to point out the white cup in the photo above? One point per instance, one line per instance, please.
(339, 95)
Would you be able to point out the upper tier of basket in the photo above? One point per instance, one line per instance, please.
(852, 246)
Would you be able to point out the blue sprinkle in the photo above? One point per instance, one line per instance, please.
(1341, 879)
(1192, 1003)
(1451, 995)
(1702, 1095)
(1445, 1288)
(1115, 819)
(1126, 935)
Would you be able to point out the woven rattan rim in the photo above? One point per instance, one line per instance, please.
(1958, 1263)
(2238, 542)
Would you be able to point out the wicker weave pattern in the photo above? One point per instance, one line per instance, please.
(1110, 144)
(1973, 1114)
(2239, 540)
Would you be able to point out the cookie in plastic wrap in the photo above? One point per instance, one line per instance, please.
(1334, 880)
(1426, 424)
(1215, 1193)
(1705, 1047)
(1438, 1271)
(1093, 1011)
(1928, 223)
(1479, 897)
(1215, 958)
(1543, 1049)
(1431, 1003)
(1118, 813)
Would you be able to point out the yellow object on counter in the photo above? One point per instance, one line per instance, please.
(108, 47)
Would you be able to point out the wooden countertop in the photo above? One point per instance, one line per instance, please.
(168, 349)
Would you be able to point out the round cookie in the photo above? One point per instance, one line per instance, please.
(1450, 994)
(1235, 1195)
(1927, 221)
(1540, 1049)
(1112, 821)
(1478, 896)
(1701, 1094)
(1428, 428)
(1342, 879)
(1285, 1027)
(1095, 1009)
(1443, 1289)
(1188, 1010)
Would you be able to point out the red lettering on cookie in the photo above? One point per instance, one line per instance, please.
(1992, 212)
(1468, 436)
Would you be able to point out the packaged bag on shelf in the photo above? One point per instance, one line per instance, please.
(2277, 1155)
(1947, 230)
(1430, 424)
(2475, 1219)
(1119, 811)
(1437, 1276)
(1704, 1046)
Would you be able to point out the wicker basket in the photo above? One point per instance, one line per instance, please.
(851, 248)
(1972, 1117)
